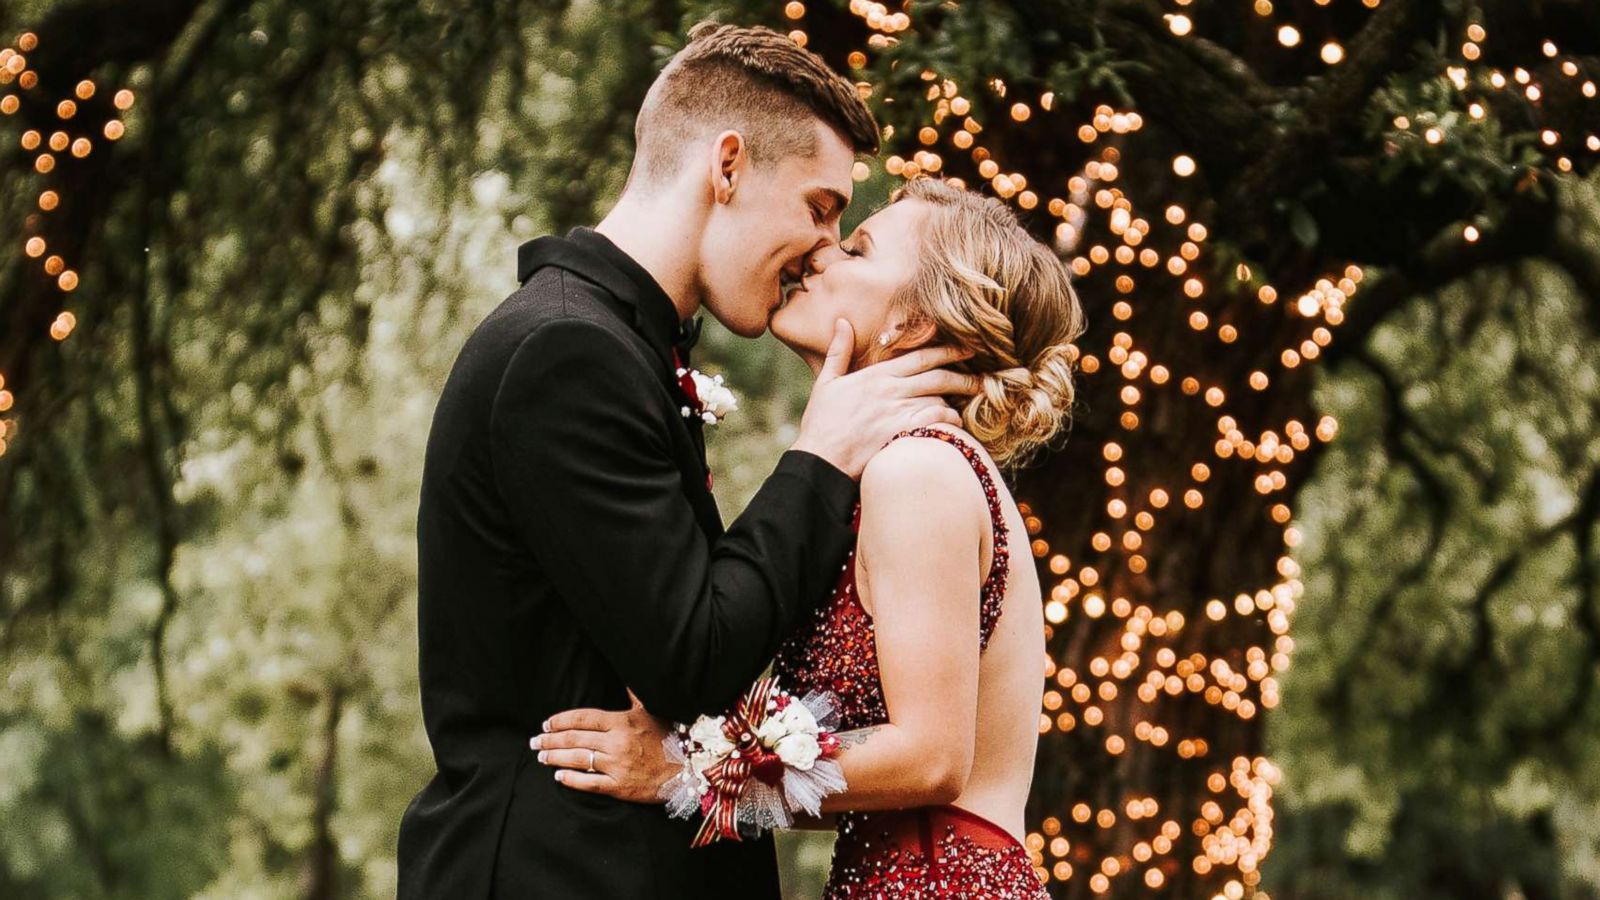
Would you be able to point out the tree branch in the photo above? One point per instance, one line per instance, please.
(1329, 106)
(1449, 257)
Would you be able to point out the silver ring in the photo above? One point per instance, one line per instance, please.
(591, 762)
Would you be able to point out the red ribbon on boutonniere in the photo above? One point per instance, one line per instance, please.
(708, 410)
(686, 380)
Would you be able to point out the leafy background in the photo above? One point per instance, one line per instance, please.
(207, 562)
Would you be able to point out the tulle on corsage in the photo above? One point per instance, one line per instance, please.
(755, 768)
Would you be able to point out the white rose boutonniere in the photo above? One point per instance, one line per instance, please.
(710, 400)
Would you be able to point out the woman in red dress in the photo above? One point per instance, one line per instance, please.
(932, 642)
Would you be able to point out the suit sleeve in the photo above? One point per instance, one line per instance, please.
(582, 456)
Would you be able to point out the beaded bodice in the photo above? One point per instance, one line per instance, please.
(836, 650)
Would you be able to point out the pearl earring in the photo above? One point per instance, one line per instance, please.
(883, 339)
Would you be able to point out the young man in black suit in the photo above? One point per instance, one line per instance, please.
(569, 546)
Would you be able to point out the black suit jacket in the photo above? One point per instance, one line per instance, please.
(568, 549)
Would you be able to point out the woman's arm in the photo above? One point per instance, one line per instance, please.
(922, 526)
(923, 517)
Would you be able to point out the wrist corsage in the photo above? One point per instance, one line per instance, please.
(753, 769)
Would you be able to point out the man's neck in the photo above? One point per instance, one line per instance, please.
(666, 253)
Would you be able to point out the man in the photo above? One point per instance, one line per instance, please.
(569, 546)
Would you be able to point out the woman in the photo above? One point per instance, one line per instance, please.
(932, 641)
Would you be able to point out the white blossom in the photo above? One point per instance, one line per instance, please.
(707, 733)
(716, 401)
(799, 750)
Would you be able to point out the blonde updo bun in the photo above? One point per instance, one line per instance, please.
(986, 285)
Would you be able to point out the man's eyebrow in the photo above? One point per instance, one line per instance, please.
(838, 200)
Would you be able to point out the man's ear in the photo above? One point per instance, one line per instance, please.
(728, 157)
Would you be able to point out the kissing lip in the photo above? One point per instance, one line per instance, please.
(789, 284)
(787, 291)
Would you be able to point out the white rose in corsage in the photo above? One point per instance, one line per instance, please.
(799, 751)
(773, 755)
(708, 737)
(710, 400)
(792, 718)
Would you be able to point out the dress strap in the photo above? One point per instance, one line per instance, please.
(994, 587)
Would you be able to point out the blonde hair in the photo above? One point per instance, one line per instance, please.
(986, 285)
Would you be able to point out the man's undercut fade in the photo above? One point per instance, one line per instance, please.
(752, 80)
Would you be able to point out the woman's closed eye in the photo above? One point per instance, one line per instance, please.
(858, 243)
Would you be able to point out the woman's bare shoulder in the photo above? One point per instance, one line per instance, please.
(917, 473)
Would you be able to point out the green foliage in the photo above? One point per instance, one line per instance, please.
(95, 813)
(1437, 729)
(206, 632)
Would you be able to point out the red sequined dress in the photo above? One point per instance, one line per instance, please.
(909, 854)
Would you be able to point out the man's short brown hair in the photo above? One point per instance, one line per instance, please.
(752, 80)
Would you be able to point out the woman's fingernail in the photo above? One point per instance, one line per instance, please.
(561, 775)
(541, 756)
(535, 742)
(545, 725)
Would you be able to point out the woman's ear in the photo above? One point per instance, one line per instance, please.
(911, 335)
(728, 153)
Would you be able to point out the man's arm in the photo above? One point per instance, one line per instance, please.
(582, 456)
(922, 525)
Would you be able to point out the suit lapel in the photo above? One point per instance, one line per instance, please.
(622, 294)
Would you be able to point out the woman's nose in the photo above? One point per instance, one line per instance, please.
(821, 258)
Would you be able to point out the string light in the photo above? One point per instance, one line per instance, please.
(66, 143)
(1233, 841)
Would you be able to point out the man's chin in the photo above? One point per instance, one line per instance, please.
(753, 327)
